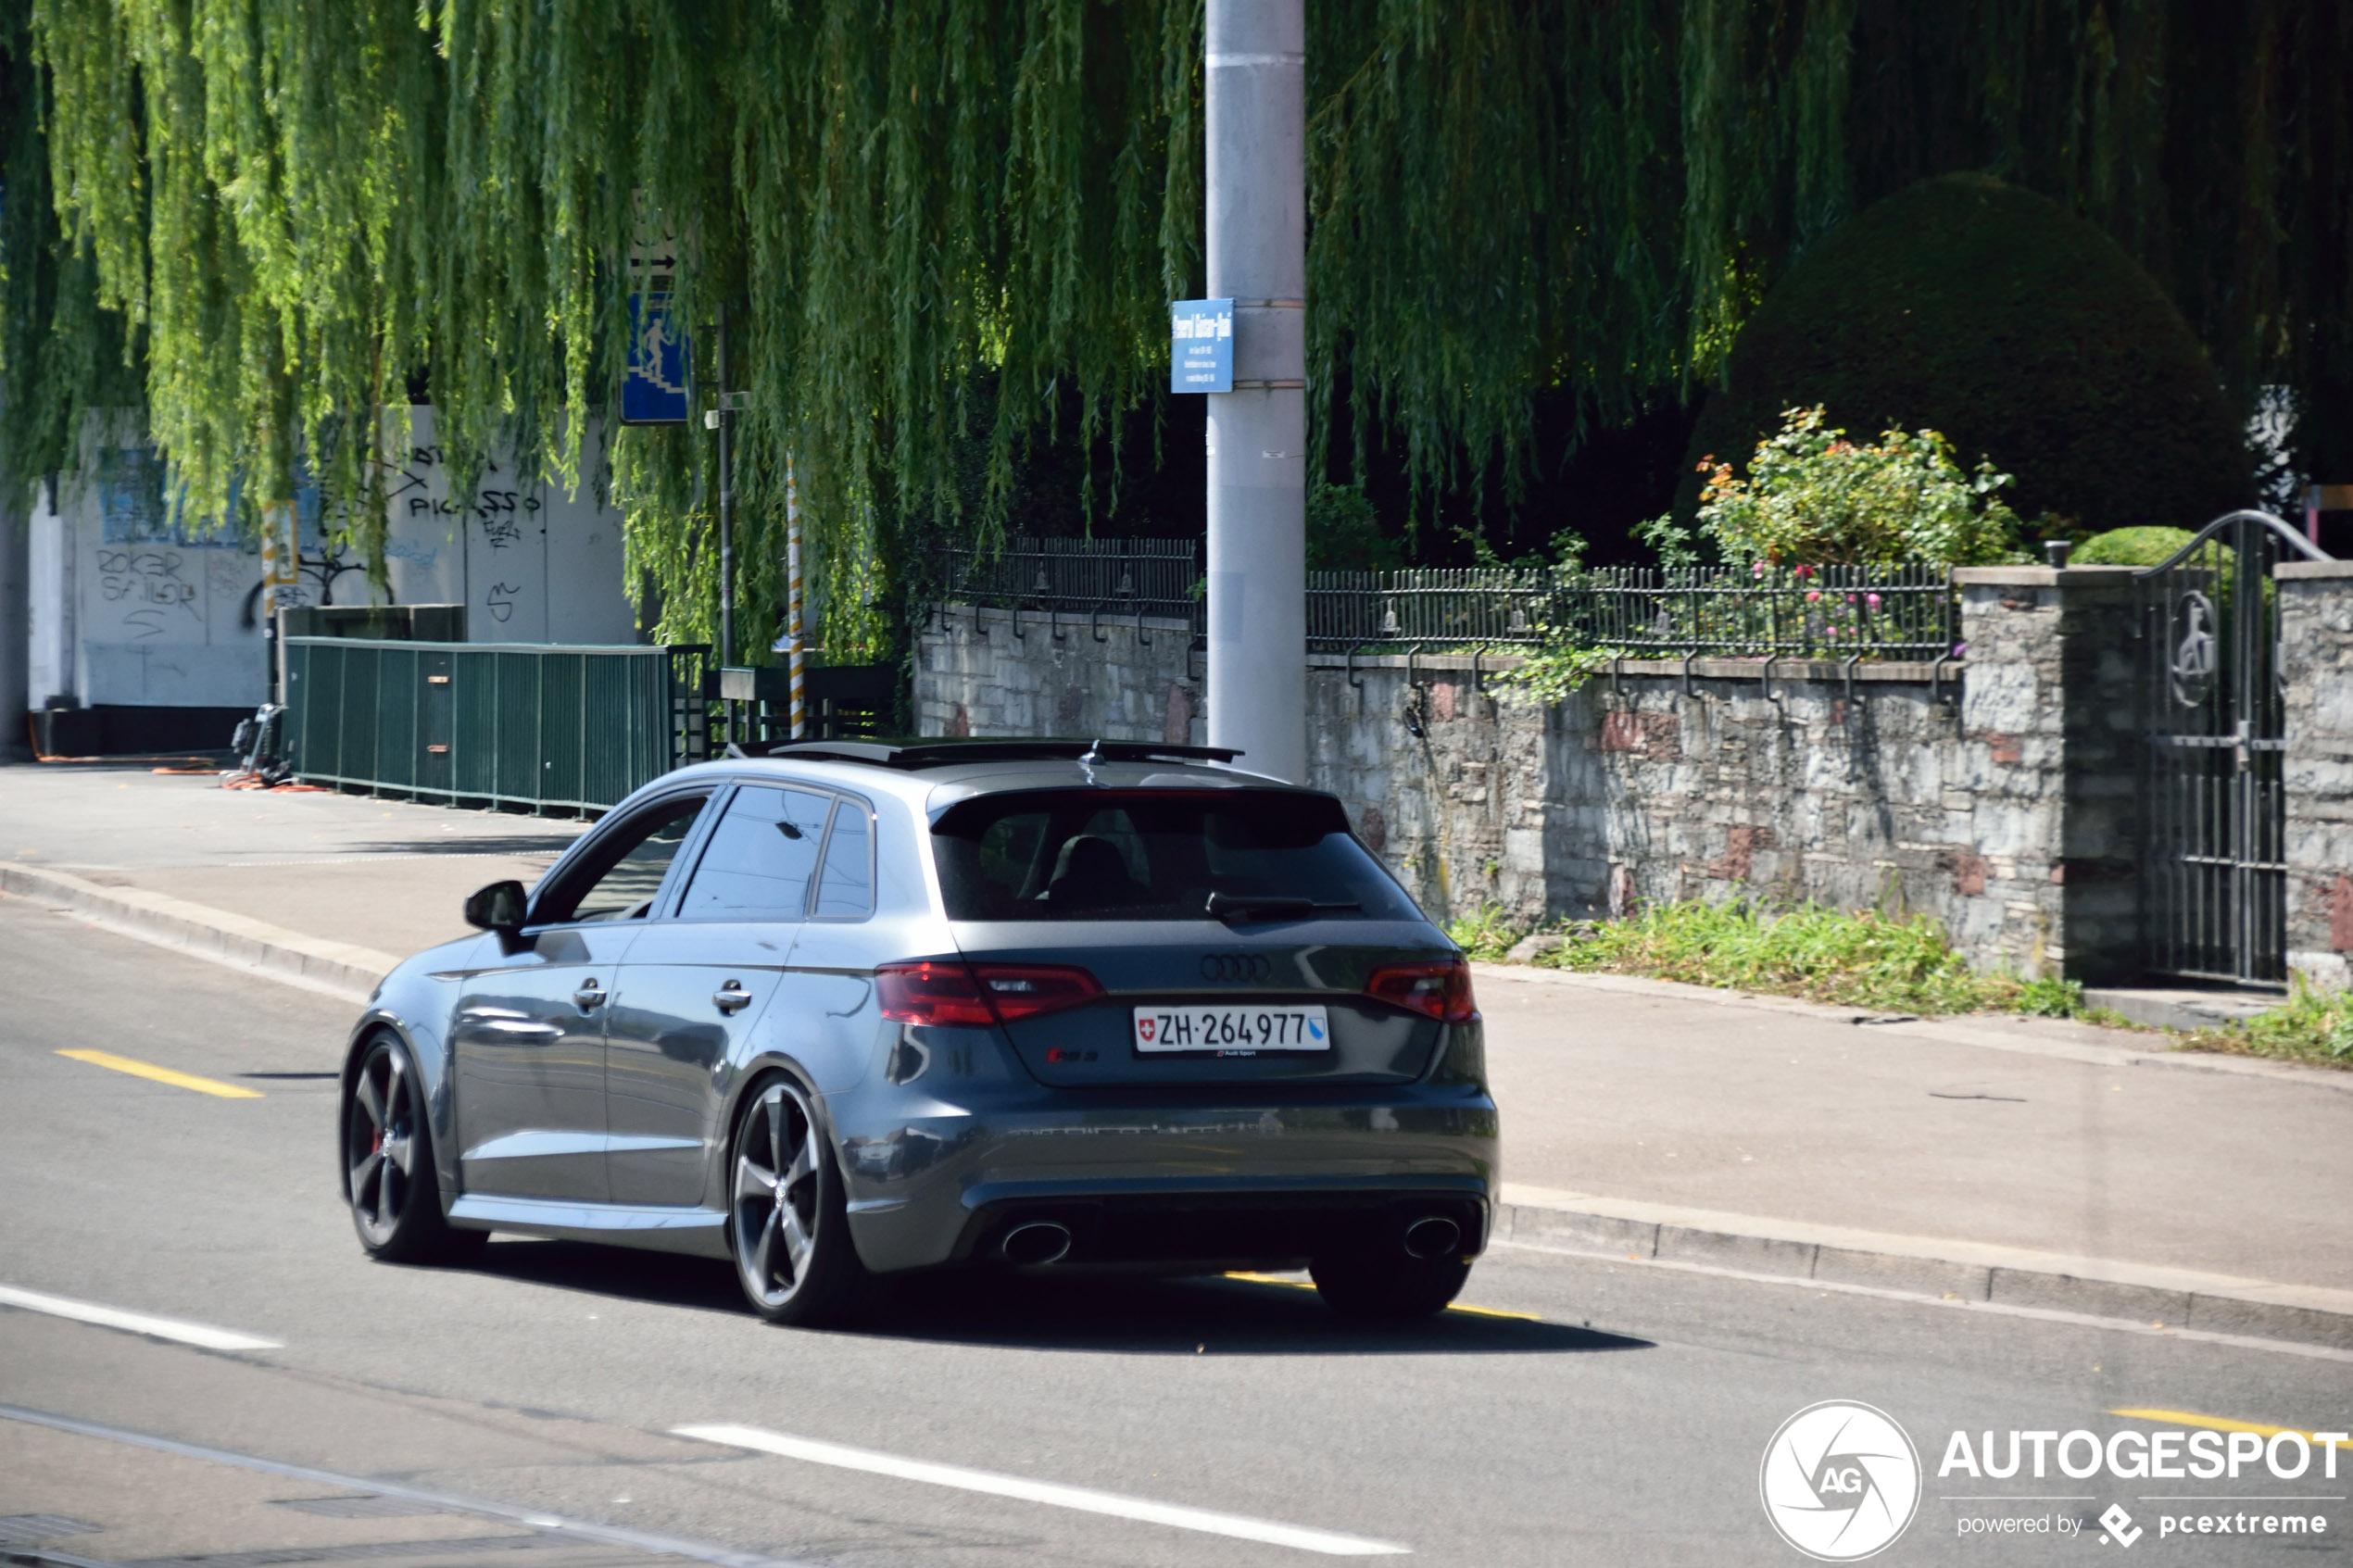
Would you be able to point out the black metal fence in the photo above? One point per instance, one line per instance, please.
(1879, 613)
(1157, 577)
(1814, 612)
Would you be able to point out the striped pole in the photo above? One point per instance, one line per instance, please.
(792, 601)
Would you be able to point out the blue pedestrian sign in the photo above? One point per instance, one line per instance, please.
(653, 392)
(1201, 346)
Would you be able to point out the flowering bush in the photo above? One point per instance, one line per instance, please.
(1813, 497)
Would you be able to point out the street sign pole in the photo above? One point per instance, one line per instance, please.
(1255, 78)
(727, 516)
(792, 601)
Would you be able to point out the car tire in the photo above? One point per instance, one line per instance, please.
(388, 1177)
(1372, 1287)
(788, 1220)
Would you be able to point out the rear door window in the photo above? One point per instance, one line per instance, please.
(847, 888)
(761, 858)
(1098, 855)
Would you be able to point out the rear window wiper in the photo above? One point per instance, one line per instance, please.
(1271, 906)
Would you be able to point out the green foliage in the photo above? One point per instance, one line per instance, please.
(1866, 959)
(1812, 497)
(2130, 546)
(2019, 329)
(1485, 933)
(1343, 533)
(2312, 1025)
(1552, 670)
(946, 227)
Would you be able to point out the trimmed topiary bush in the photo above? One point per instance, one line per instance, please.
(2021, 332)
(2130, 546)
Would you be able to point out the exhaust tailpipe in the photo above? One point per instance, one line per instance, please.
(1040, 1241)
(1433, 1235)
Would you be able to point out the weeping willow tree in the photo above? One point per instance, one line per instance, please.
(942, 232)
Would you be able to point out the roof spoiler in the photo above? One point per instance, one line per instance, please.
(918, 754)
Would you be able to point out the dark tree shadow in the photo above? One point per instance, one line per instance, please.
(1124, 1314)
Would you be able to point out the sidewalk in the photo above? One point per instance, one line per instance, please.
(292, 860)
(2031, 1162)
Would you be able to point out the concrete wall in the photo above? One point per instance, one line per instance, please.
(1998, 798)
(2316, 646)
(130, 609)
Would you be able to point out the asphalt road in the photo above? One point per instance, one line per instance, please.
(1595, 1411)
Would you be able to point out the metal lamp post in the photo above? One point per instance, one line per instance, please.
(1257, 445)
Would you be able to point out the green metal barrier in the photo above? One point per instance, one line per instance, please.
(539, 726)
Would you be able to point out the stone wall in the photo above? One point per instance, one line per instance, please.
(2000, 793)
(1002, 673)
(2316, 646)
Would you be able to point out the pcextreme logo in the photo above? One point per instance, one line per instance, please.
(1841, 1481)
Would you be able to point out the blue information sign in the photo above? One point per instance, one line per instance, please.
(1201, 346)
(654, 390)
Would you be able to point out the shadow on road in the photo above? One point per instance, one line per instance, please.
(1215, 1316)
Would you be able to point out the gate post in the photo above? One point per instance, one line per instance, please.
(2050, 799)
(2316, 675)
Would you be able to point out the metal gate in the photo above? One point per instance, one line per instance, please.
(2217, 894)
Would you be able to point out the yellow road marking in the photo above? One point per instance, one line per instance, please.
(1457, 1307)
(163, 1074)
(2213, 1423)
(1495, 1313)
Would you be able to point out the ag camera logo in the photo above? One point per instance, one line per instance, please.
(1841, 1481)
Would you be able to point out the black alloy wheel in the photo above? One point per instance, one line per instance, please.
(388, 1163)
(788, 1224)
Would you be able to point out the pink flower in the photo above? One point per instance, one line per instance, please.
(1871, 600)
(1811, 597)
(1804, 570)
(1757, 570)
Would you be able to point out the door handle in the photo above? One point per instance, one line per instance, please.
(590, 996)
(731, 999)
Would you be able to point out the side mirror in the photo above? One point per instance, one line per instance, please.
(498, 907)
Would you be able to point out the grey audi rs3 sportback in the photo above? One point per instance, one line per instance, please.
(855, 1009)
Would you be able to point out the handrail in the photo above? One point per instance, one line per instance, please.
(2304, 547)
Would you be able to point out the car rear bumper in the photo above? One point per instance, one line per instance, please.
(1202, 1182)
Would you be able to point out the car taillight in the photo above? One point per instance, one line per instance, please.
(1441, 990)
(1026, 990)
(932, 993)
(947, 992)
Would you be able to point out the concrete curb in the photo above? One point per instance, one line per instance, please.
(1968, 1271)
(339, 966)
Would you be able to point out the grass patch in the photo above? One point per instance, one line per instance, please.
(2311, 1026)
(1901, 964)
(1487, 933)
(1898, 964)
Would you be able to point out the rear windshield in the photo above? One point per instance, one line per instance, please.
(1101, 855)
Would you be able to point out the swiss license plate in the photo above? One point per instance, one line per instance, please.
(1232, 1029)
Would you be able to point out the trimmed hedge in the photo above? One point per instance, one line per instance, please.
(2130, 546)
(2020, 330)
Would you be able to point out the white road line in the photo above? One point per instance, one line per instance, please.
(137, 1322)
(1079, 1497)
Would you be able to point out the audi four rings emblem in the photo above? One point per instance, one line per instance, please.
(1236, 966)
